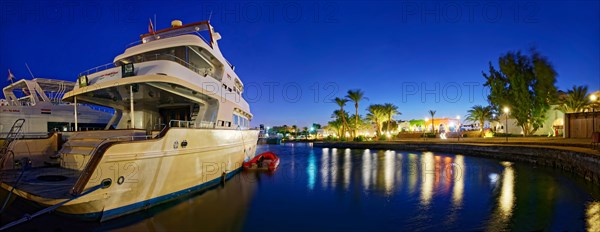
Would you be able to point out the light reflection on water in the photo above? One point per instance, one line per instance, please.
(322, 189)
(458, 174)
(428, 174)
(311, 169)
(593, 216)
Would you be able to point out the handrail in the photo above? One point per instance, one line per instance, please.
(191, 124)
(96, 69)
(138, 42)
(93, 162)
(134, 43)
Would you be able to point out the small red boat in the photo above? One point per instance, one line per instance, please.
(264, 161)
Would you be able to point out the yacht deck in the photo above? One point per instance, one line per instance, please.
(46, 182)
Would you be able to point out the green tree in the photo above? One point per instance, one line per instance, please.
(356, 96)
(339, 115)
(284, 129)
(295, 128)
(341, 102)
(390, 110)
(525, 84)
(576, 100)
(480, 114)
(432, 113)
(335, 126)
(376, 114)
(417, 123)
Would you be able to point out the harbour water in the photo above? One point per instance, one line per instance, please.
(321, 189)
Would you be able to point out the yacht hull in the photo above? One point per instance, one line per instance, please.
(149, 172)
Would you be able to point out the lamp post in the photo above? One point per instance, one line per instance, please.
(493, 119)
(458, 128)
(593, 98)
(506, 111)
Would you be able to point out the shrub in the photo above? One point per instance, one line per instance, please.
(359, 138)
(330, 138)
(428, 135)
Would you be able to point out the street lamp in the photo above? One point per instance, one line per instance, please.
(506, 111)
(458, 128)
(593, 98)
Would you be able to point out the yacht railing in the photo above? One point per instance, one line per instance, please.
(134, 43)
(191, 124)
(151, 57)
(97, 69)
(138, 42)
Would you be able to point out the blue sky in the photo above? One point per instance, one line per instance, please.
(295, 56)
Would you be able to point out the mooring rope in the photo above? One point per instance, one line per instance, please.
(12, 190)
(28, 217)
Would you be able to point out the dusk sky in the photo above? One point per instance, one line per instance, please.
(295, 56)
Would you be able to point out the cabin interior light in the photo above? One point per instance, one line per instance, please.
(127, 70)
(83, 81)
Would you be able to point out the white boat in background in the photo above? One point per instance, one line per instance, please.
(39, 102)
(180, 122)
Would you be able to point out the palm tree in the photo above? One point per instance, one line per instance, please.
(356, 96)
(335, 126)
(480, 114)
(390, 111)
(432, 113)
(285, 129)
(576, 100)
(377, 115)
(341, 103)
(295, 128)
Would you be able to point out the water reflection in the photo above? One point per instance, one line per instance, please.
(375, 190)
(311, 170)
(593, 216)
(366, 169)
(388, 167)
(347, 168)
(413, 174)
(506, 199)
(428, 176)
(325, 167)
(458, 177)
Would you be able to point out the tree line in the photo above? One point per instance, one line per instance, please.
(523, 84)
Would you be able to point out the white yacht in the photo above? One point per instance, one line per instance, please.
(39, 102)
(180, 125)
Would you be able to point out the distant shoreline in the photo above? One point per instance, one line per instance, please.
(576, 159)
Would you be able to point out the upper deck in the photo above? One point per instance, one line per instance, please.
(28, 92)
(175, 73)
(183, 44)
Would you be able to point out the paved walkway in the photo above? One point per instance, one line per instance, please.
(578, 145)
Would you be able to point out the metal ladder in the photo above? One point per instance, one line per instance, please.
(12, 135)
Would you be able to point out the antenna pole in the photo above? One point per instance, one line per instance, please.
(30, 73)
(210, 15)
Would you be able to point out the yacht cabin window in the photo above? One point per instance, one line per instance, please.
(191, 57)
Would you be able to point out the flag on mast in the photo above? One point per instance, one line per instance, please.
(11, 77)
(150, 27)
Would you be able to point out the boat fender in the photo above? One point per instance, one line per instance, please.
(121, 180)
(106, 183)
(223, 177)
